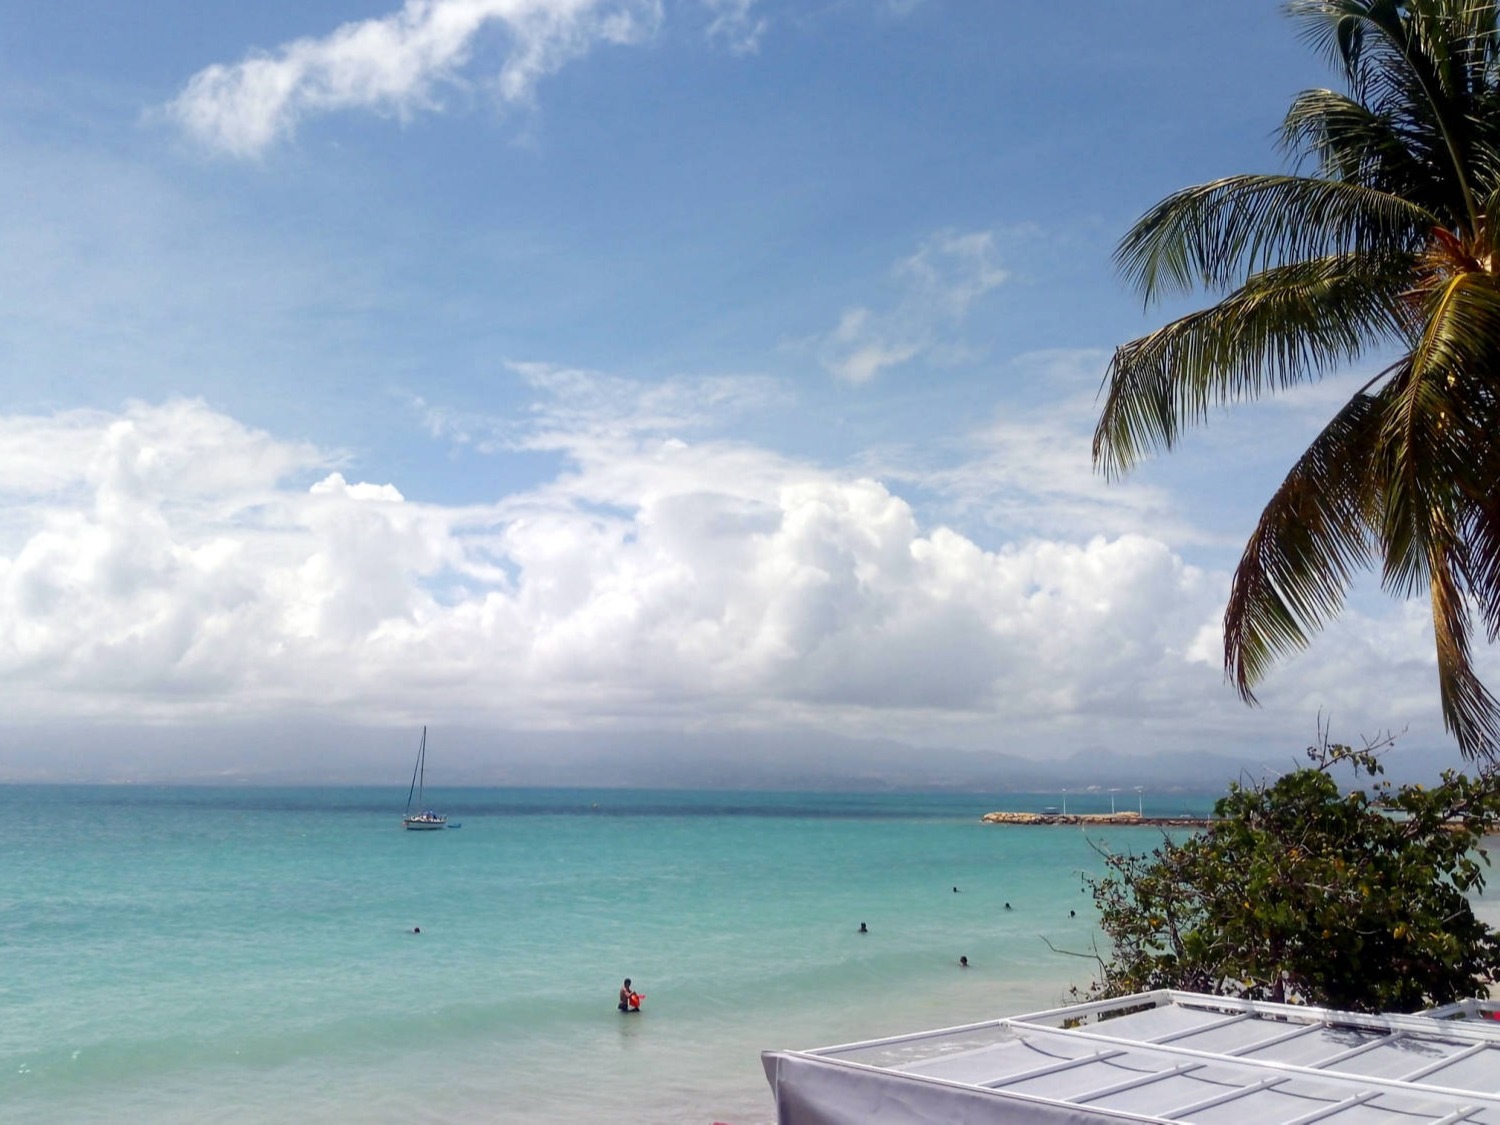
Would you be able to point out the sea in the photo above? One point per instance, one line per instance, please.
(195, 954)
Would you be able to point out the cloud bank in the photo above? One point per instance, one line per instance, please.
(175, 564)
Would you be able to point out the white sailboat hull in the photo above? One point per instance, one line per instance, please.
(426, 820)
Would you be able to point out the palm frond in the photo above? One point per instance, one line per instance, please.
(1416, 437)
(1219, 234)
(1353, 143)
(1285, 326)
(1481, 531)
(1470, 712)
(1337, 30)
(1310, 539)
(1461, 336)
(1438, 490)
(1463, 453)
(1395, 239)
(1424, 65)
(1489, 244)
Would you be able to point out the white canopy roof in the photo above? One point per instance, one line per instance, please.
(1160, 1057)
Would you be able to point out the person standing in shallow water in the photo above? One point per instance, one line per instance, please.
(625, 996)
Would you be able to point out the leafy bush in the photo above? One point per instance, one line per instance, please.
(1304, 893)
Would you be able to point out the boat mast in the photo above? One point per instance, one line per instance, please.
(421, 759)
(422, 762)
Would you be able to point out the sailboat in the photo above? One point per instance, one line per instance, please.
(426, 820)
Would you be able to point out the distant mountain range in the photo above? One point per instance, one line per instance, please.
(820, 762)
(309, 754)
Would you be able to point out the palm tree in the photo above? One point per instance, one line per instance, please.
(1388, 248)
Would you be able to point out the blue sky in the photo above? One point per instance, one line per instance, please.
(630, 365)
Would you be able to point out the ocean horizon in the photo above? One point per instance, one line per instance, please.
(239, 953)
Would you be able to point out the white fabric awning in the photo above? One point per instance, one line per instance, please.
(1164, 1057)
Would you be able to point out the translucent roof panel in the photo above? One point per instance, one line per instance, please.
(1166, 1022)
(1174, 1091)
(1476, 1072)
(1402, 1056)
(992, 1064)
(1160, 1057)
(1089, 1074)
(1316, 1045)
(923, 1047)
(1289, 1102)
(1238, 1034)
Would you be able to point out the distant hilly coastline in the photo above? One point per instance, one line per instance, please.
(310, 754)
(852, 765)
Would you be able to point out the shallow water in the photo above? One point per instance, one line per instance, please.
(188, 954)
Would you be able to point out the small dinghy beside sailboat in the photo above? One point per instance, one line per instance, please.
(426, 820)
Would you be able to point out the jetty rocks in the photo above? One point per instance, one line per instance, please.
(1092, 820)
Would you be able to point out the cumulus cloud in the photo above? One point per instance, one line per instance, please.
(177, 564)
(175, 561)
(398, 64)
(937, 286)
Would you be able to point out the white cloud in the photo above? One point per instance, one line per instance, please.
(1027, 470)
(180, 454)
(938, 285)
(397, 64)
(735, 23)
(178, 565)
(581, 402)
(335, 485)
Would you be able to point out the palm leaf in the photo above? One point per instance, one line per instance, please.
(1310, 539)
(1219, 234)
(1469, 710)
(1350, 141)
(1481, 531)
(1412, 488)
(1490, 245)
(1438, 487)
(1285, 326)
(1396, 239)
(1461, 335)
(1425, 65)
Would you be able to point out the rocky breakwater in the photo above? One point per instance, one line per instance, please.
(1091, 820)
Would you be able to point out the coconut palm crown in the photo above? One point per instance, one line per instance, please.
(1384, 245)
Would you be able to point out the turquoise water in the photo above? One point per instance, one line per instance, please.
(189, 954)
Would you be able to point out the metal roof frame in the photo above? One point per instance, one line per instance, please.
(1333, 1064)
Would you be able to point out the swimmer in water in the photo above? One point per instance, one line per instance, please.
(963, 962)
(1007, 906)
(863, 928)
